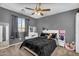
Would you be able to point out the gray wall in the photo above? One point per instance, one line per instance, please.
(65, 20)
(5, 17)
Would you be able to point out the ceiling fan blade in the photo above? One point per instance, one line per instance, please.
(41, 14)
(46, 9)
(33, 13)
(22, 9)
(29, 8)
(37, 6)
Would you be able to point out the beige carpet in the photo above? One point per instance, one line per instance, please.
(15, 51)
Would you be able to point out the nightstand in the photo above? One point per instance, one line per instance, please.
(61, 42)
(34, 35)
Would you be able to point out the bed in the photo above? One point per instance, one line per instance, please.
(40, 46)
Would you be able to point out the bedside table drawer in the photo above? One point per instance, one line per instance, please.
(61, 43)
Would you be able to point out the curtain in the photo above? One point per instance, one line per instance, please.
(26, 27)
(14, 28)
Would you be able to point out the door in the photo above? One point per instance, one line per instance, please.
(1, 28)
(4, 35)
(77, 32)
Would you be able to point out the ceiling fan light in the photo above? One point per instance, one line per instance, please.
(39, 13)
(36, 13)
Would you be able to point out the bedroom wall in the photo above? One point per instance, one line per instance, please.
(5, 17)
(65, 20)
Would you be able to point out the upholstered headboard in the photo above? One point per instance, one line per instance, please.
(52, 31)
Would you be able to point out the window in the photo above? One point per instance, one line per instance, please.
(21, 24)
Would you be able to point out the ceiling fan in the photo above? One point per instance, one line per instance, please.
(38, 10)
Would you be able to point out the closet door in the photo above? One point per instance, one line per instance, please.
(7, 34)
(77, 32)
(1, 33)
(4, 35)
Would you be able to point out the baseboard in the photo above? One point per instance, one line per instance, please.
(10, 45)
(15, 44)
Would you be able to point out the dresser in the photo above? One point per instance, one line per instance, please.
(32, 32)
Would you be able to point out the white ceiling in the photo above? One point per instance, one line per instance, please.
(55, 8)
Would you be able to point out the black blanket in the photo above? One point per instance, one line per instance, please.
(41, 46)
